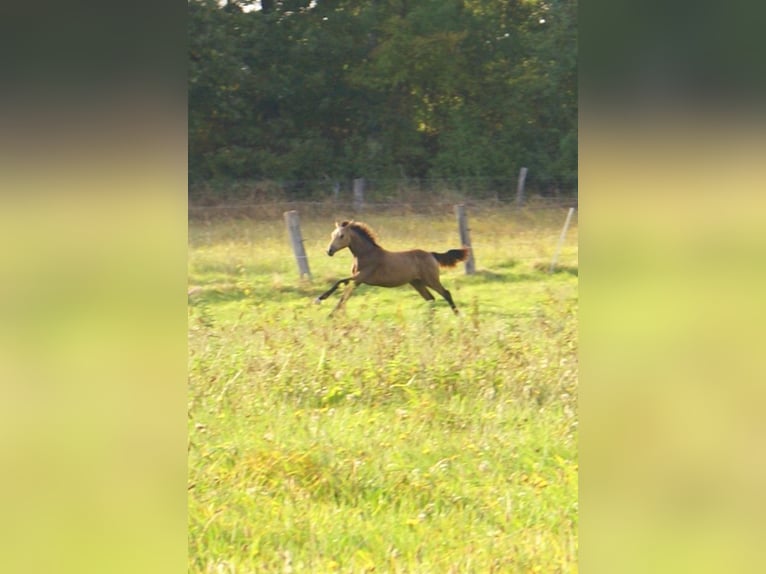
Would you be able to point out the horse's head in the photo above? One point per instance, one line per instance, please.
(340, 238)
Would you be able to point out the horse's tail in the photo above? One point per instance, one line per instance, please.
(451, 257)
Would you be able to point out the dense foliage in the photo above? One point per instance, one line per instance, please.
(307, 89)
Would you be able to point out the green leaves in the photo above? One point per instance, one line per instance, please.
(378, 89)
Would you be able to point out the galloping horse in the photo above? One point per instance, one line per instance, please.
(374, 265)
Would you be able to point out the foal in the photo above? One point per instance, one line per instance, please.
(374, 265)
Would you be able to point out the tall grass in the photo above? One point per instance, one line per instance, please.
(394, 437)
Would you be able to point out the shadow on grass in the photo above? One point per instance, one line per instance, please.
(546, 268)
(490, 276)
(507, 264)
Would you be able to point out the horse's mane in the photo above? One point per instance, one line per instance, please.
(362, 229)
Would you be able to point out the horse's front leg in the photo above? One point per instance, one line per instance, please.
(332, 289)
(357, 279)
(346, 294)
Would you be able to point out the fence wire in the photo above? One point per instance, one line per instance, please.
(264, 210)
(265, 199)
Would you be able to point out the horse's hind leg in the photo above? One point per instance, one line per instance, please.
(439, 288)
(421, 288)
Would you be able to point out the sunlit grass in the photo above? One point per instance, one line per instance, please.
(395, 436)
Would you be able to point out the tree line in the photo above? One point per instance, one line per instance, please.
(308, 89)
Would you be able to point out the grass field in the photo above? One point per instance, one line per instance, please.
(394, 437)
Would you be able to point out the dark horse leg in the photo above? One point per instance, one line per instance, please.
(439, 288)
(421, 288)
(332, 289)
(350, 284)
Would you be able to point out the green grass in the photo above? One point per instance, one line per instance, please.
(394, 437)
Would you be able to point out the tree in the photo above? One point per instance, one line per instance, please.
(344, 88)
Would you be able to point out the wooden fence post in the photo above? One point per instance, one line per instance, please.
(561, 240)
(465, 238)
(520, 186)
(294, 229)
(359, 193)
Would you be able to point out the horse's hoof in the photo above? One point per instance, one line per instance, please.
(317, 301)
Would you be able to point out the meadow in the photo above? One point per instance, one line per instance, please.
(394, 436)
